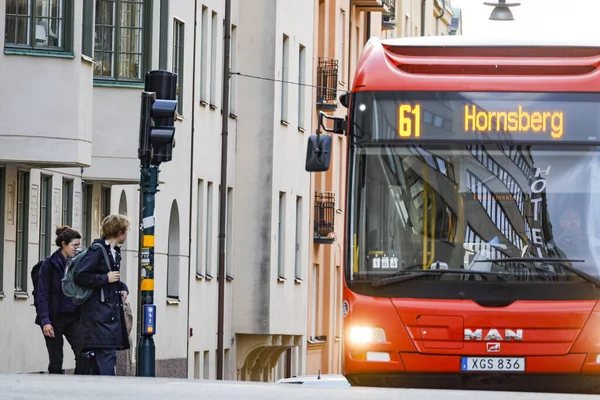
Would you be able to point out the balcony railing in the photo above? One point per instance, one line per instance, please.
(327, 81)
(324, 217)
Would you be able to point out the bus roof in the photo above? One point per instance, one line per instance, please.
(489, 41)
(459, 63)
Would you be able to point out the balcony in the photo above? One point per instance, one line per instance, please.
(324, 217)
(47, 116)
(327, 81)
(371, 5)
(388, 20)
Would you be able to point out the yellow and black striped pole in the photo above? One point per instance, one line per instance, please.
(146, 349)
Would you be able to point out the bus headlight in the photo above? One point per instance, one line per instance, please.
(365, 334)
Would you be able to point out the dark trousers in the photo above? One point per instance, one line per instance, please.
(103, 361)
(66, 325)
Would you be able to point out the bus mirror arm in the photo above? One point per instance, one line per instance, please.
(339, 124)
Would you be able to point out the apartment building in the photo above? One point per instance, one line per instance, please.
(419, 18)
(68, 155)
(342, 27)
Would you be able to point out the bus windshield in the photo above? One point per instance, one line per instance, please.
(420, 208)
(470, 205)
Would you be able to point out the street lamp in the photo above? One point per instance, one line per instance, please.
(501, 11)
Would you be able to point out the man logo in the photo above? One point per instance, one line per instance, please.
(493, 347)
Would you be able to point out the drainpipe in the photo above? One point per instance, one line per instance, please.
(223, 195)
(423, 2)
(191, 183)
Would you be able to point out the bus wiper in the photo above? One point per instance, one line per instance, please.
(562, 261)
(409, 275)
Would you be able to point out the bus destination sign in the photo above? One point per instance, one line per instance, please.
(447, 116)
(474, 120)
(549, 123)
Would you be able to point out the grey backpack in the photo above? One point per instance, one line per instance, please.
(78, 294)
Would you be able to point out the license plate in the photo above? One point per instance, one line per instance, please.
(506, 364)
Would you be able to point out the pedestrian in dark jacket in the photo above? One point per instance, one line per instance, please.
(57, 315)
(103, 329)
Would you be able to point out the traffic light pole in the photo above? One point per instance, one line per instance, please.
(146, 348)
(156, 142)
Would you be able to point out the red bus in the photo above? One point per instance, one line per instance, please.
(472, 237)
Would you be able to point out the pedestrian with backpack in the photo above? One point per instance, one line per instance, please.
(103, 329)
(56, 314)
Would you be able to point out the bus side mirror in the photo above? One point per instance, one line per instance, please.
(318, 153)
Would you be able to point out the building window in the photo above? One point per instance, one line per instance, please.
(87, 32)
(209, 230)
(314, 301)
(173, 254)
(285, 55)
(38, 25)
(281, 237)
(204, 56)
(2, 204)
(178, 35)
(342, 46)
(86, 217)
(105, 203)
(340, 172)
(301, 83)
(232, 68)
(213, 61)
(337, 301)
(120, 45)
(199, 230)
(22, 231)
(67, 202)
(206, 365)
(46, 217)
(298, 241)
(228, 234)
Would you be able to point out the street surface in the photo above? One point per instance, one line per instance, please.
(63, 387)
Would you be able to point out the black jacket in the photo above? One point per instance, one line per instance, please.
(102, 322)
(51, 300)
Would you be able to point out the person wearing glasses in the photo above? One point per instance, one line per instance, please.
(57, 315)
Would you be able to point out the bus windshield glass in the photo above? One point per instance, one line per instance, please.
(469, 204)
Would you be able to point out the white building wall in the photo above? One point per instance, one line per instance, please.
(203, 270)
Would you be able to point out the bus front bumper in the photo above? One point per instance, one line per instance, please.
(523, 382)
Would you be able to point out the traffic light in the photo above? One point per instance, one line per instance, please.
(157, 122)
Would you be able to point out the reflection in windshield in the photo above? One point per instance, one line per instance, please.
(425, 207)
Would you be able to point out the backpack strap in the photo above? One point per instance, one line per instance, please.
(105, 254)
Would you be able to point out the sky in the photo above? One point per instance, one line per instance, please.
(535, 18)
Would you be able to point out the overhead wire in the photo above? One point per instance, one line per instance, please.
(284, 81)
